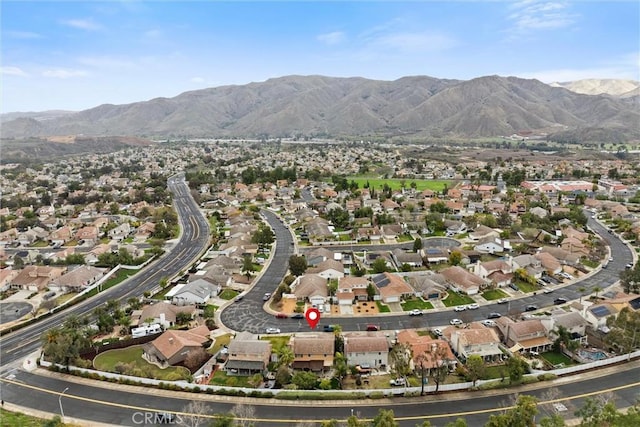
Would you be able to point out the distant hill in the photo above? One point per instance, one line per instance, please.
(613, 87)
(321, 106)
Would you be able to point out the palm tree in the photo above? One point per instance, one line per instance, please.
(285, 356)
(582, 290)
(563, 340)
(596, 289)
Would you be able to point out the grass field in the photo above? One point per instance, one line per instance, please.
(396, 184)
(228, 294)
(383, 308)
(19, 419)
(418, 303)
(557, 358)
(107, 361)
(220, 341)
(276, 342)
(222, 379)
(454, 299)
(119, 276)
(494, 294)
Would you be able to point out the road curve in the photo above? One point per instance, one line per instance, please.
(193, 239)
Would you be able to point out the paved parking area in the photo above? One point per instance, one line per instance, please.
(11, 311)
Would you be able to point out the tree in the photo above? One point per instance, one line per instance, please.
(247, 266)
(400, 360)
(441, 369)
(197, 411)
(379, 265)
(244, 415)
(625, 330)
(305, 380)
(563, 340)
(196, 358)
(339, 367)
(297, 265)
(522, 415)
(371, 291)
(476, 369)
(385, 418)
(182, 318)
(285, 356)
(517, 367)
(417, 244)
(455, 258)
(283, 375)
(263, 236)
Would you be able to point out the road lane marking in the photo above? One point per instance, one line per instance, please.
(295, 421)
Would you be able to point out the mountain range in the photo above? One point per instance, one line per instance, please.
(319, 106)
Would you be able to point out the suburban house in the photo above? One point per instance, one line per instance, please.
(549, 263)
(310, 287)
(392, 288)
(196, 292)
(434, 255)
(531, 264)
(317, 256)
(161, 313)
(573, 322)
(36, 278)
(6, 275)
(329, 269)
(427, 352)
(492, 245)
(369, 350)
(428, 285)
(313, 352)
(78, 279)
(460, 280)
(369, 233)
(482, 232)
(478, 340)
(412, 259)
(527, 335)
(498, 272)
(173, 346)
(353, 285)
(87, 235)
(247, 355)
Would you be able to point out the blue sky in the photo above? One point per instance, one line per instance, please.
(79, 54)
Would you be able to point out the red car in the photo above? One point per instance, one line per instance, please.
(281, 316)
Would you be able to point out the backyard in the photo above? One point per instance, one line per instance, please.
(221, 378)
(108, 360)
(557, 359)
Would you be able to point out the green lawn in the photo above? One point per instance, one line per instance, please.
(527, 287)
(220, 341)
(160, 295)
(454, 299)
(418, 303)
(228, 294)
(221, 378)
(18, 419)
(120, 276)
(496, 372)
(107, 361)
(494, 294)
(396, 184)
(383, 308)
(557, 358)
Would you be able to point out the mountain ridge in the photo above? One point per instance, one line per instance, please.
(421, 106)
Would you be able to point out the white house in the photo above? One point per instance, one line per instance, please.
(196, 292)
(493, 245)
(366, 350)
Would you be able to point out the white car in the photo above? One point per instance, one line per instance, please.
(460, 308)
(437, 332)
(416, 312)
(489, 323)
(455, 322)
(473, 306)
(502, 301)
(272, 330)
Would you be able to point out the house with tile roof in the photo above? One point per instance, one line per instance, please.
(36, 278)
(366, 350)
(310, 287)
(162, 313)
(426, 351)
(460, 280)
(392, 287)
(526, 335)
(78, 279)
(481, 341)
(173, 346)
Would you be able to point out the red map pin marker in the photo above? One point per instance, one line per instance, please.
(313, 317)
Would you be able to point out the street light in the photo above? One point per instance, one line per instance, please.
(60, 402)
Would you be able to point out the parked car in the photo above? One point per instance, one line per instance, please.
(502, 301)
(494, 315)
(547, 290)
(455, 322)
(437, 332)
(559, 301)
(328, 328)
(371, 327)
(282, 316)
(398, 382)
(272, 330)
(416, 312)
(514, 286)
(266, 296)
(297, 316)
(473, 306)
(531, 307)
(460, 308)
(489, 323)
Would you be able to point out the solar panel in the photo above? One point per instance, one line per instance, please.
(433, 251)
(635, 303)
(600, 311)
(381, 281)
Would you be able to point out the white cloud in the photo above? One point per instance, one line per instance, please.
(533, 15)
(21, 35)
(61, 73)
(13, 71)
(82, 24)
(335, 37)
(197, 80)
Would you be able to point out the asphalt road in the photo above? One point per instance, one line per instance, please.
(249, 315)
(193, 239)
(118, 405)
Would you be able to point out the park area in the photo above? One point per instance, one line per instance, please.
(397, 184)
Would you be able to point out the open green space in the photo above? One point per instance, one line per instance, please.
(416, 303)
(396, 184)
(228, 294)
(527, 287)
(383, 308)
(555, 358)
(163, 292)
(133, 355)
(494, 294)
(221, 378)
(455, 298)
(119, 276)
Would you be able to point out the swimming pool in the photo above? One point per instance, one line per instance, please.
(592, 354)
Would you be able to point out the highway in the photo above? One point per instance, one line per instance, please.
(193, 239)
